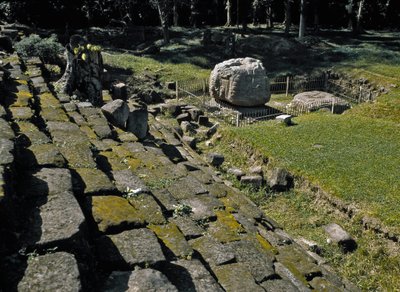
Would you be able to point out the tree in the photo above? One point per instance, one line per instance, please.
(163, 8)
(358, 27)
(302, 25)
(228, 8)
(288, 16)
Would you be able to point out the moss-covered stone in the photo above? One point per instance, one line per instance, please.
(23, 98)
(173, 239)
(54, 114)
(237, 201)
(298, 263)
(21, 113)
(149, 208)
(236, 277)
(93, 181)
(29, 134)
(89, 132)
(47, 100)
(266, 245)
(113, 214)
(78, 155)
(44, 155)
(226, 228)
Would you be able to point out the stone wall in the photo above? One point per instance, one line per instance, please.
(86, 206)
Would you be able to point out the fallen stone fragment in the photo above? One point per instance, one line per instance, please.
(254, 181)
(139, 281)
(203, 121)
(280, 180)
(339, 236)
(137, 122)
(191, 141)
(117, 112)
(183, 117)
(215, 159)
(286, 119)
(212, 130)
(256, 170)
(238, 173)
(119, 91)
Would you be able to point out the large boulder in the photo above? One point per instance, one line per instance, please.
(241, 82)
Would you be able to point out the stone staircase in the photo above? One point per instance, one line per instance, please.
(85, 206)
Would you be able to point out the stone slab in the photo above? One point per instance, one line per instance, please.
(92, 181)
(212, 251)
(113, 214)
(51, 272)
(139, 281)
(129, 249)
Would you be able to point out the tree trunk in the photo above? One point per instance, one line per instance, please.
(349, 9)
(83, 71)
(164, 22)
(316, 16)
(175, 13)
(359, 17)
(302, 25)
(228, 9)
(268, 10)
(237, 13)
(194, 13)
(288, 16)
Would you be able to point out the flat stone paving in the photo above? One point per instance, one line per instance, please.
(96, 210)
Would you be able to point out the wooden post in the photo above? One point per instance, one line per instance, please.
(177, 90)
(237, 119)
(333, 106)
(287, 85)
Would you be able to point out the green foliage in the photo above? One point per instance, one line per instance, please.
(47, 49)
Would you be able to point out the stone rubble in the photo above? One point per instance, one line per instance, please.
(94, 210)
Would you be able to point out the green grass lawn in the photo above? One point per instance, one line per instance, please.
(352, 157)
(168, 71)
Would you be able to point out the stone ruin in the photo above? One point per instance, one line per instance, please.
(317, 100)
(241, 82)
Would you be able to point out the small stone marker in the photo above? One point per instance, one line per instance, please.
(339, 236)
(287, 119)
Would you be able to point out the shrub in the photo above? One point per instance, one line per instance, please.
(47, 49)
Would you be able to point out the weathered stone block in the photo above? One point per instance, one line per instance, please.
(212, 251)
(129, 249)
(139, 281)
(173, 238)
(137, 122)
(339, 236)
(280, 180)
(254, 181)
(215, 159)
(240, 82)
(236, 277)
(51, 272)
(119, 91)
(117, 112)
(91, 181)
(112, 213)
